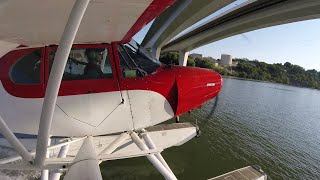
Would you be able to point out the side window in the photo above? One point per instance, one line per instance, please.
(27, 70)
(85, 63)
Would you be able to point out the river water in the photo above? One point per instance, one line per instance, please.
(274, 126)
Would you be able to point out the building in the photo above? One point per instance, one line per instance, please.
(226, 60)
(195, 55)
(234, 63)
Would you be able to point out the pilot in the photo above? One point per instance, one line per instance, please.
(93, 69)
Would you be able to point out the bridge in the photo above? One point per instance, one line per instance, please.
(249, 16)
(177, 18)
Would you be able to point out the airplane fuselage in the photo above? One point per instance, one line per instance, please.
(106, 88)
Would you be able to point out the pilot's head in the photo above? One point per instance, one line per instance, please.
(94, 55)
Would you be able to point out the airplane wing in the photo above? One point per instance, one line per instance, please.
(41, 22)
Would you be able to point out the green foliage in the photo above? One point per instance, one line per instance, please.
(209, 59)
(221, 71)
(191, 62)
(173, 58)
(170, 58)
(286, 73)
(204, 63)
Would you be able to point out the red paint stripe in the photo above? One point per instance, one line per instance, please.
(152, 11)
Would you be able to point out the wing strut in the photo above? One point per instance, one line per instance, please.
(55, 78)
(14, 142)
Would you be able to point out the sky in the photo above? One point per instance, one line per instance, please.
(297, 43)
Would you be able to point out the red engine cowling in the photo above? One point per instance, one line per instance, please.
(195, 86)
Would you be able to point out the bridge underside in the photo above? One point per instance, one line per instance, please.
(178, 17)
(249, 16)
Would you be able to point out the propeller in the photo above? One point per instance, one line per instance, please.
(216, 100)
(215, 104)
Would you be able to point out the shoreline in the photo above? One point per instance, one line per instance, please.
(272, 82)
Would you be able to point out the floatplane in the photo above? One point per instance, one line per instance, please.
(77, 90)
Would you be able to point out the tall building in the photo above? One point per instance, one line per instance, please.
(226, 60)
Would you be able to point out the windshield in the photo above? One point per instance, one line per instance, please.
(134, 56)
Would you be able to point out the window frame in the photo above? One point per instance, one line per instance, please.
(22, 90)
(85, 86)
(26, 53)
(118, 57)
(121, 56)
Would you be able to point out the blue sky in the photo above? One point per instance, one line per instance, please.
(297, 43)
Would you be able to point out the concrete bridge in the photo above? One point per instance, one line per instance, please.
(178, 17)
(249, 16)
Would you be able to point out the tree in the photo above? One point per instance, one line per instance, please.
(204, 63)
(173, 58)
(191, 62)
(287, 73)
(221, 70)
(287, 65)
(243, 74)
(170, 58)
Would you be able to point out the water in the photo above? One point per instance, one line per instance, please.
(271, 125)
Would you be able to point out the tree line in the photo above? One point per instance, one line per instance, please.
(286, 73)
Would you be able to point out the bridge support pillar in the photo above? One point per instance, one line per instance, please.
(156, 52)
(183, 58)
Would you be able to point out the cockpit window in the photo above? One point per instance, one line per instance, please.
(86, 63)
(135, 60)
(27, 70)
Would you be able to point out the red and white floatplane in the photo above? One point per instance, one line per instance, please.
(80, 91)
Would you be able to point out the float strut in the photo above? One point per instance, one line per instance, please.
(177, 119)
(56, 173)
(115, 144)
(152, 158)
(45, 172)
(151, 145)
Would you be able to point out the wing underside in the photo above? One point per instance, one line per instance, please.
(41, 22)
